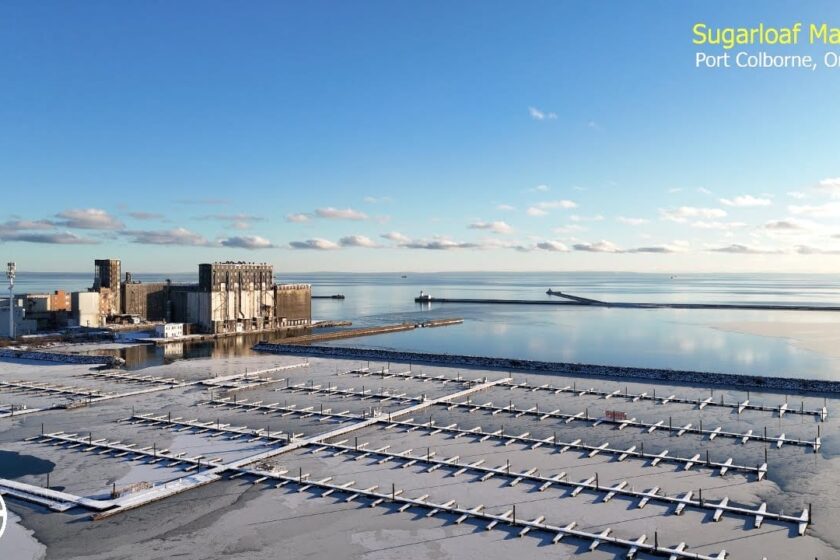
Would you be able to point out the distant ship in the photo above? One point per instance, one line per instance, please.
(423, 297)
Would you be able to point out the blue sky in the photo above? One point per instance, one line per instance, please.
(426, 136)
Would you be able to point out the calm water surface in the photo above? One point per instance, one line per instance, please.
(679, 339)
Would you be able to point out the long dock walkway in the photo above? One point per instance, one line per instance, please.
(407, 458)
(583, 416)
(782, 408)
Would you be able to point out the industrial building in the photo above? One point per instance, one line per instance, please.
(106, 281)
(230, 297)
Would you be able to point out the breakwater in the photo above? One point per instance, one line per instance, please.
(678, 377)
(370, 331)
(112, 361)
(570, 300)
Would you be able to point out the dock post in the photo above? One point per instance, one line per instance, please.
(507, 465)
(90, 438)
(48, 481)
(765, 453)
(656, 541)
(154, 449)
(356, 443)
(393, 492)
(670, 425)
(114, 490)
(428, 453)
(700, 492)
(300, 475)
(42, 428)
(597, 483)
(514, 514)
(169, 414)
(643, 449)
(707, 458)
(701, 426)
(810, 514)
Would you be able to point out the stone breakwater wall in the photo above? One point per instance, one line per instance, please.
(679, 377)
(62, 358)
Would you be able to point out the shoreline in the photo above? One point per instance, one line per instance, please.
(679, 377)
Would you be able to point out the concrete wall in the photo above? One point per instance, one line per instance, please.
(86, 309)
(293, 303)
(149, 301)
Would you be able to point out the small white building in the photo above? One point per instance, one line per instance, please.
(86, 309)
(169, 330)
(22, 324)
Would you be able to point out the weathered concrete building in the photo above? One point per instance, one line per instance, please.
(242, 297)
(106, 281)
(230, 297)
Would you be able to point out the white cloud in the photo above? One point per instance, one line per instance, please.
(331, 213)
(739, 249)
(827, 210)
(703, 190)
(439, 244)
(717, 225)
(505, 207)
(396, 237)
(541, 208)
(47, 238)
(632, 221)
(177, 236)
(316, 244)
(597, 247)
(552, 246)
(830, 185)
(798, 195)
(785, 225)
(746, 201)
(675, 190)
(571, 228)
(357, 241)
(540, 188)
(88, 218)
(684, 213)
(297, 218)
(495, 227)
(247, 242)
(539, 115)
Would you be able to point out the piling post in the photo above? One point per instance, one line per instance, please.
(507, 465)
(707, 458)
(356, 443)
(42, 428)
(393, 492)
(48, 481)
(656, 541)
(597, 483)
(514, 514)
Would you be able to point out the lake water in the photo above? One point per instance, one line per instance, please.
(667, 338)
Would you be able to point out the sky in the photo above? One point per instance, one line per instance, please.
(412, 136)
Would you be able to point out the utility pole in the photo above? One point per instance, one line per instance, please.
(10, 274)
